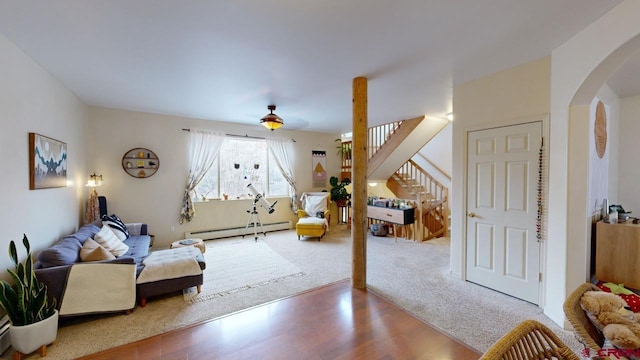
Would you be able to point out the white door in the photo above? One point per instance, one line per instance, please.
(503, 252)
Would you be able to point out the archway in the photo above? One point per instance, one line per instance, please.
(579, 69)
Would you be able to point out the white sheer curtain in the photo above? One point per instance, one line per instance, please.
(282, 151)
(204, 147)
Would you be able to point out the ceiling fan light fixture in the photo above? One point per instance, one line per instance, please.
(271, 121)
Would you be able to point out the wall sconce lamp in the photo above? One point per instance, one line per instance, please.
(94, 180)
(271, 121)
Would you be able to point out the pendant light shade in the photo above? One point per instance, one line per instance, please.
(271, 121)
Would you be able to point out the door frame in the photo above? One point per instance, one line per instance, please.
(544, 120)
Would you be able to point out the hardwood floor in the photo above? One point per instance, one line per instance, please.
(331, 322)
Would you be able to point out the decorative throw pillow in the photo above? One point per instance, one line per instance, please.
(315, 204)
(110, 241)
(117, 225)
(92, 251)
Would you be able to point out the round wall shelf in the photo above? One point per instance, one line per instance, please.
(140, 162)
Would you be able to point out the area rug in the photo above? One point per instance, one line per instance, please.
(240, 266)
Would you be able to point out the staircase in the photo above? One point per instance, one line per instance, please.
(413, 182)
(390, 148)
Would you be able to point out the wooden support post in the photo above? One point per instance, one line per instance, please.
(359, 184)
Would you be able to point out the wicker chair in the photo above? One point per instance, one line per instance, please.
(585, 331)
(528, 341)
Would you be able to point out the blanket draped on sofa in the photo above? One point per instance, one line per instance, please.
(93, 288)
(170, 264)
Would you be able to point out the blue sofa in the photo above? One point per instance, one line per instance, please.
(54, 263)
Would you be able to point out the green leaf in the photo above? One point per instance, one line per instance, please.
(8, 300)
(13, 253)
(25, 242)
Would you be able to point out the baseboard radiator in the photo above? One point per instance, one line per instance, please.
(210, 234)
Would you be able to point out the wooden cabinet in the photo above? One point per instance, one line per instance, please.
(396, 216)
(140, 162)
(618, 253)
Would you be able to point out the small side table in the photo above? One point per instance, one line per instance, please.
(189, 242)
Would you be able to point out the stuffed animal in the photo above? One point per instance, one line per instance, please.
(612, 316)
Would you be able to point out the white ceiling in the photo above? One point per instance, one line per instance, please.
(228, 60)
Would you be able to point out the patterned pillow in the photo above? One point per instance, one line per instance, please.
(110, 241)
(117, 225)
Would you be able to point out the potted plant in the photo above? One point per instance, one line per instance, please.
(34, 320)
(339, 192)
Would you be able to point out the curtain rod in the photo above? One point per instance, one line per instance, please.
(241, 136)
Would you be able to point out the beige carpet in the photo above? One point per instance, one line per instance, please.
(240, 266)
(415, 276)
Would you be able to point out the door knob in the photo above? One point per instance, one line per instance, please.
(471, 214)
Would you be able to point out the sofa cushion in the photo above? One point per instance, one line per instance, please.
(110, 241)
(85, 232)
(92, 251)
(138, 247)
(64, 252)
(117, 226)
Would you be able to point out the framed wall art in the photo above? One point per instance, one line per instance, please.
(47, 162)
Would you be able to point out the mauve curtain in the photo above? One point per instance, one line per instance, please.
(204, 147)
(282, 151)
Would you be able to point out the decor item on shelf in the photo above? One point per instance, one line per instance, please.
(271, 121)
(339, 193)
(343, 149)
(34, 320)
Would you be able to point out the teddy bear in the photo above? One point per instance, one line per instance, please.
(612, 316)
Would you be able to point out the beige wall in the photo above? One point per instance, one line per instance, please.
(506, 97)
(31, 100)
(157, 200)
(629, 170)
(580, 66)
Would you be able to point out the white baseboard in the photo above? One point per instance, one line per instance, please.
(210, 234)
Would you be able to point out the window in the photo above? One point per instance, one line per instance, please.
(242, 162)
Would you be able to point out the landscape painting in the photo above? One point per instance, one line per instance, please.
(47, 162)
